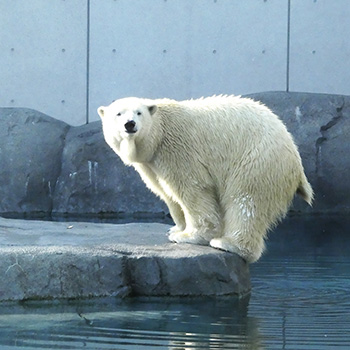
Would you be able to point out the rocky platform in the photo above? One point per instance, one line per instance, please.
(46, 260)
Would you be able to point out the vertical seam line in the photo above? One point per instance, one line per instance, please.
(288, 47)
(87, 62)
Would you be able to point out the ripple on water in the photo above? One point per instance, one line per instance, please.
(303, 301)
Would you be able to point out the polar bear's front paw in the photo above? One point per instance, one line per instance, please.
(187, 237)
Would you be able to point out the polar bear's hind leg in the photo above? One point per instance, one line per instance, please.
(243, 231)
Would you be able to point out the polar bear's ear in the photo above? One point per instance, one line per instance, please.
(152, 109)
(101, 111)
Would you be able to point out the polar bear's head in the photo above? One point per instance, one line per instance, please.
(126, 118)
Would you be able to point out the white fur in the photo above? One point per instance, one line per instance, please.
(226, 166)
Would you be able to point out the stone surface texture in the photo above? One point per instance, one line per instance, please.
(31, 146)
(49, 167)
(45, 260)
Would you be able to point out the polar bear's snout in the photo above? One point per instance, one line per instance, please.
(130, 127)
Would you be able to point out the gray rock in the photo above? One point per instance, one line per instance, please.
(49, 167)
(31, 145)
(45, 260)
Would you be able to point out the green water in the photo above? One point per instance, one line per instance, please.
(300, 300)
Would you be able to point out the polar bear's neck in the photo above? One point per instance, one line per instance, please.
(128, 151)
(137, 150)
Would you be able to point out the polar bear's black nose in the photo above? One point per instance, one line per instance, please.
(130, 127)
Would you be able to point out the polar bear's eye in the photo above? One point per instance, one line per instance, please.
(139, 113)
(119, 114)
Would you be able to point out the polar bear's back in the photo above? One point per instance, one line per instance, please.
(228, 125)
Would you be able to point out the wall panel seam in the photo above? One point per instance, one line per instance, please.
(87, 61)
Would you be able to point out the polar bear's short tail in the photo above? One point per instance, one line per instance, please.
(305, 191)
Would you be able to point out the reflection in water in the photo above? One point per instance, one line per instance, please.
(299, 301)
(174, 323)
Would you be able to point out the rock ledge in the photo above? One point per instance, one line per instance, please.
(46, 260)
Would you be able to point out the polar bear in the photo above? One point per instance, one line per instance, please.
(226, 166)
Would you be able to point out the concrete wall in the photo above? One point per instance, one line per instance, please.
(43, 57)
(67, 57)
